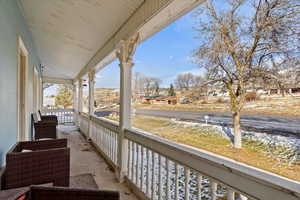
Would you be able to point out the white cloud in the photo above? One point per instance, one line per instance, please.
(98, 76)
(196, 71)
(190, 59)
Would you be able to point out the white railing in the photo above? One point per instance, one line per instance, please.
(104, 136)
(83, 120)
(158, 169)
(63, 115)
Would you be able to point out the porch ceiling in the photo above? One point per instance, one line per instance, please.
(68, 33)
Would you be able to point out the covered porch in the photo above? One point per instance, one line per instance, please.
(136, 163)
(85, 160)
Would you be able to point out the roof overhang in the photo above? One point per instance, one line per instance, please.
(72, 37)
(57, 80)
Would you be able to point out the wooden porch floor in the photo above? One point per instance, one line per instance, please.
(84, 159)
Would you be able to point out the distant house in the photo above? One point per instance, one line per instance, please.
(159, 100)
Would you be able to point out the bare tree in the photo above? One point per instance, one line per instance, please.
(137, 84)
(151, 85)
(282, 73)
(185, 81)
(239, 37)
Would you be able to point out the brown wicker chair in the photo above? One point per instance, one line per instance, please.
(50, 193)
(48, 118)
(46, 161)
(43, 129)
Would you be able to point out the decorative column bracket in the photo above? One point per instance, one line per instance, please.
(127, 49)
(125, 55)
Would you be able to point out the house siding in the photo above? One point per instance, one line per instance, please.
(12, 26)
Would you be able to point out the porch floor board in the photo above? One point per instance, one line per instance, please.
(85, 160)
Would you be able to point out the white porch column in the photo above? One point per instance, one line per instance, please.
(41, 93)
(42, 96)
(125, 54)
(80, 95)
(75, 108)
(91, 99)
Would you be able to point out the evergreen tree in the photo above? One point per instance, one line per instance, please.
(171, 91)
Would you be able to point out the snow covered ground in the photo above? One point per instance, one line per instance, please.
(278, 146)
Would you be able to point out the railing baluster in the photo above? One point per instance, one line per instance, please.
(110, 144)
(199, 184)
(214, 187)
(98, 136)
(147, 173)
(115, 146)
(133, 161)
(153, 176)
(176, 182)
(230, 194)
(106, 143)
(160, 177)
(129, 159)
(137, 165)
(187, 183)
(168, 188)
(242, 197)
(142, 168)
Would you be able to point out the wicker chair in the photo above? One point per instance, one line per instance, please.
(50, 193)
(48, 118)
(43, 129)
(46, 161)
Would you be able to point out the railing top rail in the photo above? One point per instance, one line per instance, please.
(58, 110)
(107, 123)
(253, 182)
(85, 115)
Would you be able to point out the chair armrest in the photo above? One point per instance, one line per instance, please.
(44, 144)
(45, 123)
(49, 117)
(13, 194)
(50, 193)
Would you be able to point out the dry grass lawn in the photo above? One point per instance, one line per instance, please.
(205, 138)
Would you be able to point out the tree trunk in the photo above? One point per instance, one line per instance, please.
(237, 130)
(283, 92)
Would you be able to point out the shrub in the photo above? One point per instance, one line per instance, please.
(146, 102)
(204, 102)
(221, 100)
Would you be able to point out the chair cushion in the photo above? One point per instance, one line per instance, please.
(35, 117)
(39, 117)
(22, 197)
(26, 150)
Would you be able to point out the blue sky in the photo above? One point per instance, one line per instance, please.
(164, 55)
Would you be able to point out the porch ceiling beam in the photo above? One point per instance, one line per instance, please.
(57, 80)
(151, 17)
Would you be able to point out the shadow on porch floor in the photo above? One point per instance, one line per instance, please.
(85, 160)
